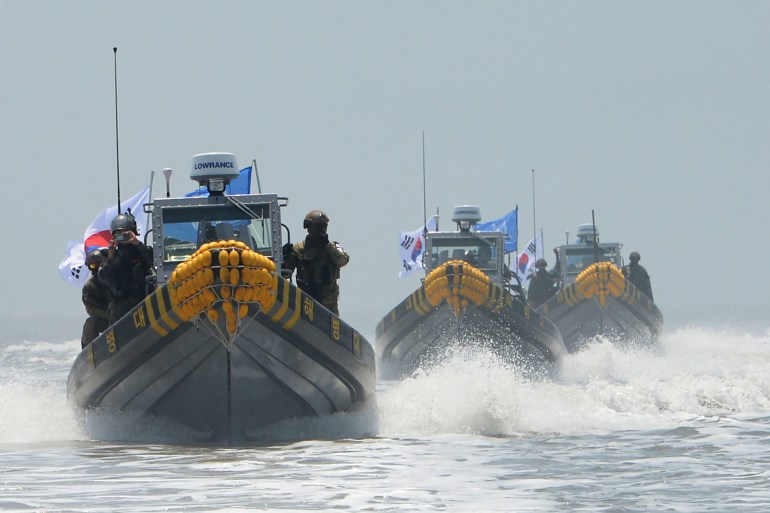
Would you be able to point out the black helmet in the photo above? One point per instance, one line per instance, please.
(634, 256)
(94, 258)
(315, 217)
(123, 222)
(541, 263)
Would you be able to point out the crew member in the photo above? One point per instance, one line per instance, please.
(479, 258)
(637, 275)
(95, 298)
(128, 264)
(317, 261)
(543, 283)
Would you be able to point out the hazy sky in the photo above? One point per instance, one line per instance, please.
(654, 114)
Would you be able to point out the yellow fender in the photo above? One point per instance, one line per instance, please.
(222, 278)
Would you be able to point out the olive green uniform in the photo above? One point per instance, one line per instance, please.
(318, 264)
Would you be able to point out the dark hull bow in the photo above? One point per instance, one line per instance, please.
(603, 303)
(458, 308)
(222, 380)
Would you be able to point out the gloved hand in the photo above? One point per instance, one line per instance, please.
(316, 240)
(287, 249)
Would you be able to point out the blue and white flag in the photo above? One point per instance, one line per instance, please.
(412, 248)
(508, 224)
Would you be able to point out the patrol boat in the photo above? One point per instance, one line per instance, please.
(224, 346)
(466, 300)
(594, 298)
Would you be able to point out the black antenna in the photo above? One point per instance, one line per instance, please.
(424, 202)
(117, 147)
(534, 217)
(596, 242)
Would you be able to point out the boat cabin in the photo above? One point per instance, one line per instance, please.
(586, 250)
(483, 250)
(181, 225)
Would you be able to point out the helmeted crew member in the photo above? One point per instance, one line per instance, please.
(317, 261)
(128, 264)
(543, 283)
(637, 274)
(95, 298)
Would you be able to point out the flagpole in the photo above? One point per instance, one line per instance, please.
(256, 173)
(424, 201)
(117, 147)
(516, 253)
(534, 222)
(147, 224)
(542, 244)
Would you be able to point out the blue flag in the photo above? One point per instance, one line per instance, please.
(508, 224)
(240, 185)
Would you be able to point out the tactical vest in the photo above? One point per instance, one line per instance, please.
(315, 270)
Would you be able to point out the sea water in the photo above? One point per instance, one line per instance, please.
(686, 428)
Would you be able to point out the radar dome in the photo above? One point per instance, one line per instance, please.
(466, 216)
(214, 171)
(585, 233)
(206, 166)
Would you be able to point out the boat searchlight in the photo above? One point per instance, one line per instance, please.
(466, 217)
(214, 171)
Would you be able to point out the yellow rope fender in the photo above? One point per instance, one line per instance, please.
(459, 284)
(220, 280)
(601, 279)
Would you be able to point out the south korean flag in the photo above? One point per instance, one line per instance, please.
(413, 248)
(73, 268)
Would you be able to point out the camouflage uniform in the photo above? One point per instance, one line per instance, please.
(318, 264)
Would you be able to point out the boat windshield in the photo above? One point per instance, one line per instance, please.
(187, 229)
(580, 258)
(482, 255)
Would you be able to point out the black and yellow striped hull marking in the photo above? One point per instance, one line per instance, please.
(285, 304)
(496, 299)
(569, 295)
(162, 318)
(297, 309)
